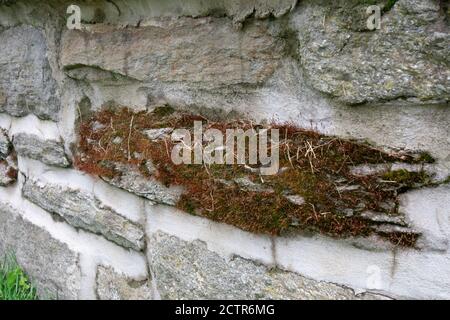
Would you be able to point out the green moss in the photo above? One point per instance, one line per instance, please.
(407, 178)
(163, 111)
(389, 5)
(425, 157)
(291, 43)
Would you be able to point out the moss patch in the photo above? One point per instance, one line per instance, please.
(315, 167)
(407, 178)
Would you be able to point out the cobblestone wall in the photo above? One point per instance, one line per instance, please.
(312, 63)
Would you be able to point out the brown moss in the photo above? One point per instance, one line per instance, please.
(117, 136)
(12, 173)
(402, 239)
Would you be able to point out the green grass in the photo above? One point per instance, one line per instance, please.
(389, 5)
(14, 284)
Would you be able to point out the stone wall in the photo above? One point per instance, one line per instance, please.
(310, 62)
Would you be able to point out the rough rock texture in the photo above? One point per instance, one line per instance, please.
(189, 271)
(25, 75)
(309, 62)
(8, 171)
(50, 152)
(8, 161)
(407, 59)
(83, 210)
(156, 134)
(5, 144)
(429, 211)
(52, 266)
(168, 51)
(133, 181)
(132, 12)
(2, 98)
(114, 286)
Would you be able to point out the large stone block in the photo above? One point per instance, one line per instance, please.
(130, 179)
(48, 151)
(184, 270)
(83, 210)
(203, 52)
(25, 74)
(52, 266)
(114, 286)
(406, 60)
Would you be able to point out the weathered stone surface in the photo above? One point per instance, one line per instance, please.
(131, 10)
(8, 161)
(406, 62)
(5, 144)
(50, 152)
(259, 9)
(380, 217)
(131, 180)
(2, 98)
(114, 286)
(370, 169)
(428, 210)
(189, 271)
(135, 12)
(247, 185)
(155, 134)
(167, 51)
(296, 199)
(408, 59)
(25, 75)
(51, 265)
(83, 210)
(8, 170)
